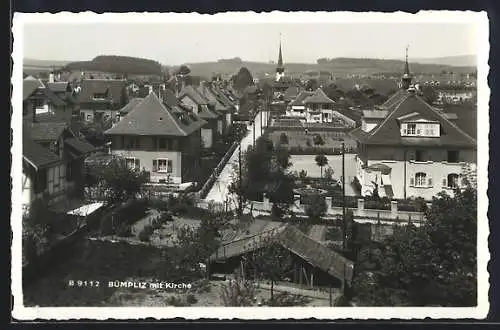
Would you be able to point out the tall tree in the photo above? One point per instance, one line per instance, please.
(321, 161)
(434, 264)
(243, 79)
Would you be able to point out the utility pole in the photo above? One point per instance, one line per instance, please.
(254, 116)
(344, 241)
(240, 188)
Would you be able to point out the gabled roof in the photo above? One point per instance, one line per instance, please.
(388, 131)
(206, 113)
(130, 105)
(191, 92)
(45, 131)
(80, 145)
(299, 100)
(36, 155)
(59, 86)
(30, 85)
(223, 97)
(318, 97)
(212, 98)
(291, 93)
(114, 88)
(152, 117)
(294, 240)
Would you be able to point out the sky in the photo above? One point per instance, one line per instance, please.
(177, 43)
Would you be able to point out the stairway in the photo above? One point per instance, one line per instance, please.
(469, 172)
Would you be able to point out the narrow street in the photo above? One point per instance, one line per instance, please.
(220, 190)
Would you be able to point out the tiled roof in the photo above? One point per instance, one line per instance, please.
(213, 100)
(45, 131)
(223, 97)
(291, 93)
(206, 113)
(152, 117)
(30, 85)
(80, 145)
(397, 97)
(294, 240)
(37, 155)
(388, 131)
(169, 97)
(193, 94)
(130, 105)
(113, 87)
(59, 86)
(319, 97)
(299, 100)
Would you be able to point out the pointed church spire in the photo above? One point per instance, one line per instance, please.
(280, 56)
(406, 79)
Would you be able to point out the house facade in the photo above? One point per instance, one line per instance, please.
(407, 148)
(101, 99)
(161, 139)
(199, 105)
(52, 162)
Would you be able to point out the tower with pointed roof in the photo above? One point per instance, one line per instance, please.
(280, 69)
(406, 79)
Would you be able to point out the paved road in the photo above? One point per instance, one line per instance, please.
(219, 192)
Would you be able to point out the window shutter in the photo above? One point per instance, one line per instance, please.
(169, 166)
(412, 181)
(444, 182)
(429, 181)
(155, 165)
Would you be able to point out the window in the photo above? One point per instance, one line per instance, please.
(162, 165)
(420, 179)
(89, 117)
(411, 129)
(420, 156)
(453, 156)
(452, 181)
(39, 103)
(99, 96)
(133, 163)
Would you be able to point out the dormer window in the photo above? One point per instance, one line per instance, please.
(99, 96)
(423, 129)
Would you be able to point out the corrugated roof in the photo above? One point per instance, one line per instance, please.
(294, 240)
(152, 117)
(319, 97)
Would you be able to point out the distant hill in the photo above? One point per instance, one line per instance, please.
(117, 64)
(29, 62)
(460, 60)
(338, 66)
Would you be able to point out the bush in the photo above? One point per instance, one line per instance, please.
(317, 207)
(318, 140)
(124, 230)
(145, 233)
(342, 301)
(175, 301)
(191, 299)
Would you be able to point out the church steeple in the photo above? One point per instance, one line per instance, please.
(280, 69)
(406, 79)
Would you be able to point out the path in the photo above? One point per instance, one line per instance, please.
(220, 192)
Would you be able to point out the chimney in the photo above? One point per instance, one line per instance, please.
(51, 77)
